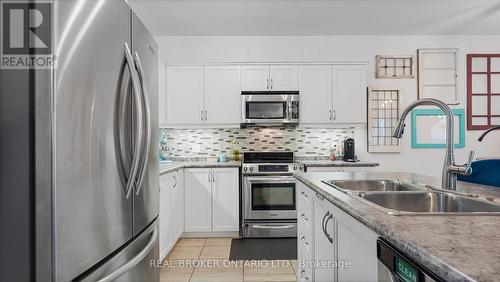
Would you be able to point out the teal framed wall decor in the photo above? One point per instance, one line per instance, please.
(429, 128)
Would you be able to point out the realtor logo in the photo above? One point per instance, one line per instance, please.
(26, 35)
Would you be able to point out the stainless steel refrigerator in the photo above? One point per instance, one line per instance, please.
(93, 150)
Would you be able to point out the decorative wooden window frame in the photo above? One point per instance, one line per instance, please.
(446, 71)
(488, 94)
(371, 122)
(393, 63)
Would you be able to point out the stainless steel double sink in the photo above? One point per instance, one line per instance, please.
(401, 198)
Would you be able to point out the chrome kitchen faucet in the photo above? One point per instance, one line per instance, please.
(450, 169)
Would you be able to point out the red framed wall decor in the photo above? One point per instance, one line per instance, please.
(483, 91)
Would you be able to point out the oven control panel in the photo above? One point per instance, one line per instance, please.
(271, 168)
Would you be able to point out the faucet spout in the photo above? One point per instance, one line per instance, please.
(450, 169)
(480, 139)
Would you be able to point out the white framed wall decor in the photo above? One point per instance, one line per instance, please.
(384, 111)
(437, 74)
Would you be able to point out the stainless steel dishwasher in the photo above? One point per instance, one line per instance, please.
(393, 266)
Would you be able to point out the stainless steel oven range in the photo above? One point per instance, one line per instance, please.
(269, 203)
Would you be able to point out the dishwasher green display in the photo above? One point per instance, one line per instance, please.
(406, 271)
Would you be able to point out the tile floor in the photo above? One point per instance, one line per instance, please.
(200, 259)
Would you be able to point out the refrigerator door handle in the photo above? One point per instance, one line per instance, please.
(134, 261)
(138, 138)
(147, 123)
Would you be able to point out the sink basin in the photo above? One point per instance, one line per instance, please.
(427, 203)
(373, 185)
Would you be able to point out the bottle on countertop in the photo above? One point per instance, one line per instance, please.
(235, 150)
(333, 153)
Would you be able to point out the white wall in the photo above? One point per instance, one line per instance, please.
(350, 48)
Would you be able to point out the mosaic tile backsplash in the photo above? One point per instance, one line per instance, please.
(210, 142)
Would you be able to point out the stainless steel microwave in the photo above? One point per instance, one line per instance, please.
(265, 107)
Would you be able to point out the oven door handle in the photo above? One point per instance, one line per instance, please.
(273, 226)
(284, 179)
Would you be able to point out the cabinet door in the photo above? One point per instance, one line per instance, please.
(163, 214)
(197, 200)
(283, 77)
(315, 85)
(178, 211)
(324, 241)
(184, 94)
(255, 78)
(358, 245)
(223, 94)
(225, 199)
(162, 94)
(349, 93)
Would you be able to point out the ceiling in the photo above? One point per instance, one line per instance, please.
(319, 17)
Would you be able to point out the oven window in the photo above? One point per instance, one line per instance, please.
(266, 110)
(273, 196)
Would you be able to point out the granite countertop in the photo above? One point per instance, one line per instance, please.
(456, 248)
(337, 163)
(169, 167)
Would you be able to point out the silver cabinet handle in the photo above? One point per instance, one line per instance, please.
(334, 114)
(147, 123)
(303, 215)
(210, 176)
(201, 115)
(303, 239)
(175, 182)
(271, 83)
(206, 115)
(267, 87)
(134, 261)
(138, 138)
(331, 114)
(319, 196)
(327, 218)
(304, 194)
(302, 275)
(213, 176)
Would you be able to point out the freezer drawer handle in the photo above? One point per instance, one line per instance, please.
(147, 124)
(134, 261)
(138, 140)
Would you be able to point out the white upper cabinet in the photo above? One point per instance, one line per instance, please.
(269, 78)
(315, 86)
(185, 94)
(225, 199)
(222, 94)
(283, 77)
(255, 78)
(349, 94)
(162, 95)
(332, 94)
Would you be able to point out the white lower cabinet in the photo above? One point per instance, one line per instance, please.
(340, 247)
(171, 210)
(212, 200)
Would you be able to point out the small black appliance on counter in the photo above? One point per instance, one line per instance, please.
(349, 155)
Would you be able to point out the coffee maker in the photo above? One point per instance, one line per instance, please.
(349, 155)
